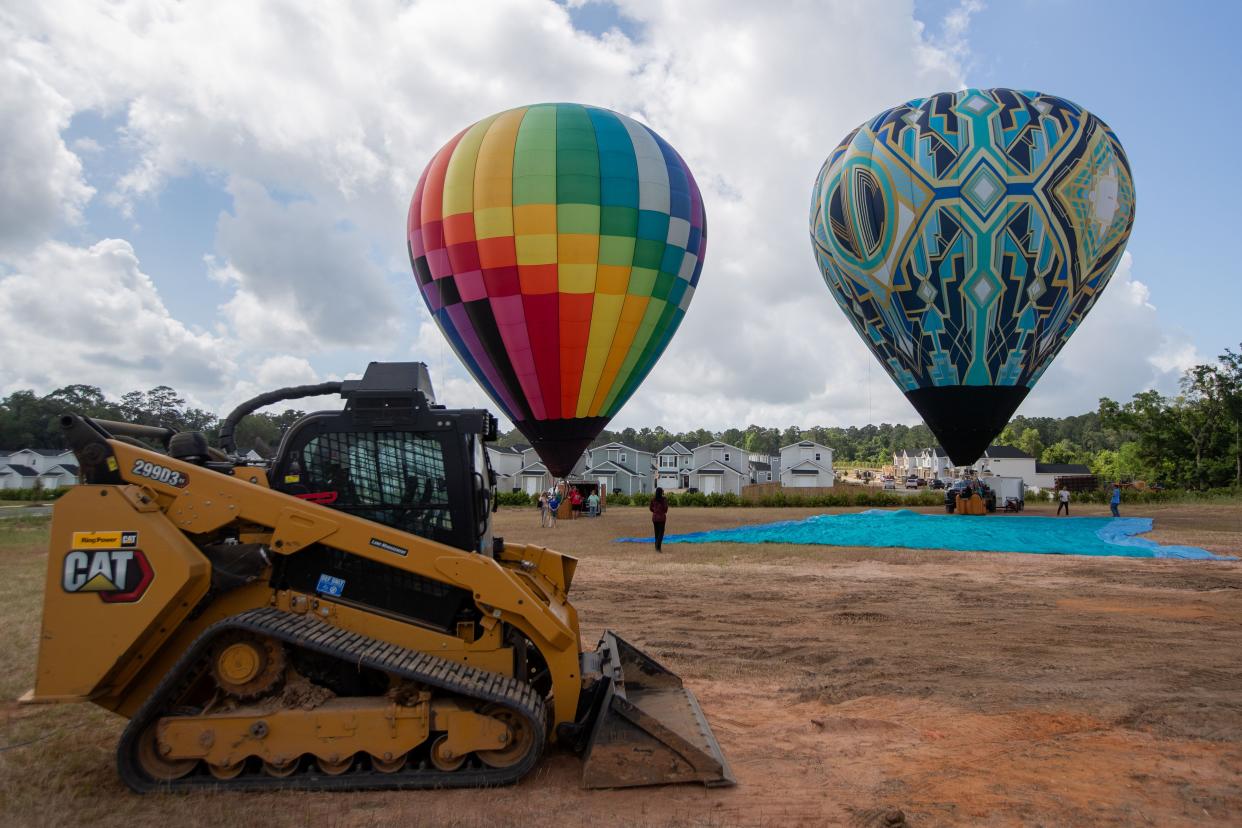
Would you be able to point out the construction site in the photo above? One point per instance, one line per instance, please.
(845, 686)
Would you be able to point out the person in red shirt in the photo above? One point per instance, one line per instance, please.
(575, 501)
(659, 513)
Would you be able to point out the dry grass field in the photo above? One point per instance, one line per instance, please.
(959, 688)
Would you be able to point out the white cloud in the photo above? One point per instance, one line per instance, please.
(321, 117)
(302, 280)
(1121, 348)
(74, 315)
(41, 183)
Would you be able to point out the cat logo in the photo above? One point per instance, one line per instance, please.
(119, 576)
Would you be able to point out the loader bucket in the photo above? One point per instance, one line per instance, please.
(650, 729)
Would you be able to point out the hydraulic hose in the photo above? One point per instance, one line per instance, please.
(294, 392)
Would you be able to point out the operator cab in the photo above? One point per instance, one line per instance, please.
(395, 457)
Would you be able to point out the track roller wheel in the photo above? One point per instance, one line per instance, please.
(280, 769)
(520, 738)
(388, 763)
(335, 768)
(248, 666)
(227, 771)
(441, 759)
(156, 765)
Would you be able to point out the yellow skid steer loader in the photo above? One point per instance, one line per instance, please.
(339, 617)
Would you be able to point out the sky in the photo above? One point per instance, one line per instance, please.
(213, 196)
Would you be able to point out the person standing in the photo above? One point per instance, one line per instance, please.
(543, 510)
(1115, 501)
(659, 514)
(554, 503)
(593, 505)
(575, 501)
(1064, 497)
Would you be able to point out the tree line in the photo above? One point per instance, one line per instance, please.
(1192, 439)
(28, 420)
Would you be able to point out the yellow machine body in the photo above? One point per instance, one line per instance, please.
(135, 620)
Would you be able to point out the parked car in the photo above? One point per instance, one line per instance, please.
(984, 490)
(937, 483)
(912, 482)
(890, 483)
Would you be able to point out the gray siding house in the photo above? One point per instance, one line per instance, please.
(620, 467)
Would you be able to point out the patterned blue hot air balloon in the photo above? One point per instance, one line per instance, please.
(966, 236)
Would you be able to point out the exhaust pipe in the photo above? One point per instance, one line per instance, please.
(650, 729)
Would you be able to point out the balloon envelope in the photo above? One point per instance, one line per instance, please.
(558, 247)
(966, 235)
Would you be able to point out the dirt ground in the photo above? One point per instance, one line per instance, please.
(844, 685)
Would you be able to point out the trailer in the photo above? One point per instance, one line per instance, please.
(1010, 492)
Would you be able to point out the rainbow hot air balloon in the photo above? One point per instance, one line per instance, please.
(966, 235)
(558, 247)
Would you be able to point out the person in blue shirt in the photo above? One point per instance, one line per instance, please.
(554, 503)
(1116, 500)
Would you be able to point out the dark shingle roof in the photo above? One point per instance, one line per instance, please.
(24, 471)
(1061, 468)
(760, 466)
(1007, 453)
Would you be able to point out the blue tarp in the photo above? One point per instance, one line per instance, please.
(911, 530)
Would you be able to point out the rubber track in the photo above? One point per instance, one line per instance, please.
(307, 632)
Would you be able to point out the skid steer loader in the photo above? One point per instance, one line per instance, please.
(339, 617)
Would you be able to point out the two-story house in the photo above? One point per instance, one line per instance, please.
(507, 463)
(765, 468)
(38, 468)
(618, 467)
(806, 464)
(933, 464)
(673, 465)
(719, 467)
(902, 463)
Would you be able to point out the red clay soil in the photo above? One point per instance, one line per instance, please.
(847, 687)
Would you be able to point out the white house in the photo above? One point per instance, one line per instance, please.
(806, 464)
(673, 465)
(46, 468)
(902, 463)
(932, 464)
(620, 467)
(507, 463)
(719, 467)
(1005, 461)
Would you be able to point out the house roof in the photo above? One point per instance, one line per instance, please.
(24, 471)
(677, 448)
(520, 447)
(1061, 468)
(806, 443)
(620, 446)
(534, 468)
(63, 468)
(807, 466)
(505, 449)
(707, 467)
(610, 467)
(1006, 453)
(937, 451)
(40, 452)
(759, 465)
